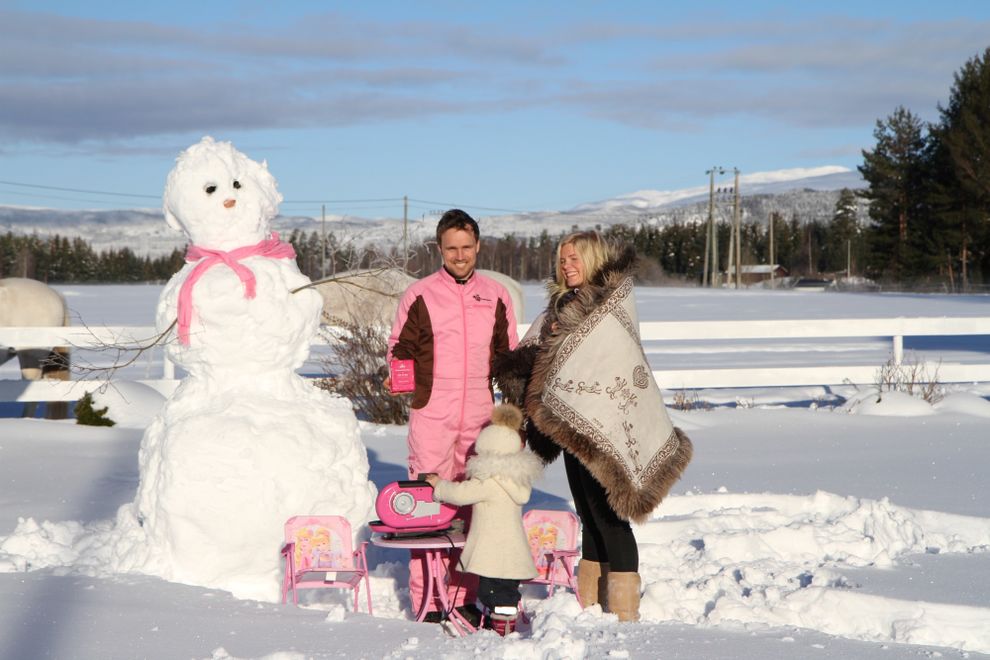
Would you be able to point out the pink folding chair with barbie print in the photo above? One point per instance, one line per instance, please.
(318, 554)
(552, 537)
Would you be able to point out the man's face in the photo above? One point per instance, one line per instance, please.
(459, 250)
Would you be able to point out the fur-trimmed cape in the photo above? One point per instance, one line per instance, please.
(522, 467)
(636, 468)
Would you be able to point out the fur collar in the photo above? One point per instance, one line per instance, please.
(613, 271)
(617, 268)
(522, 467)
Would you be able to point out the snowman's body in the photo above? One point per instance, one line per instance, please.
(244, 443)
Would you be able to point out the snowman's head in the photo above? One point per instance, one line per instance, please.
(219, 197)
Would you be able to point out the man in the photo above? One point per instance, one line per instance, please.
(451, 324)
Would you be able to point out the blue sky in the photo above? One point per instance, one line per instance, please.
(494, 105)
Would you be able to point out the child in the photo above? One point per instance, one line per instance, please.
(500, 479)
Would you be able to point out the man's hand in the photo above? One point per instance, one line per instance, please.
(388, 386)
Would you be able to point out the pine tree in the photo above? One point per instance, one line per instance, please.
(962, 177)
(8, 254)
(788, 244)
(87, 415)
(314, 257)
(843, 233)
(84, 259)
(894, 170)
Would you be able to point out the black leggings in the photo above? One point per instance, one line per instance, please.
(605, 537)
(496, 592)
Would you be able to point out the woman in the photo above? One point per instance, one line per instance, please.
(583, 380)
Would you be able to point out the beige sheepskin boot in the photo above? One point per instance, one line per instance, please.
(591, 582)
(623, 595)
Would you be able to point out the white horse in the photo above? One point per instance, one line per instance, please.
(371, 296)
(25, 302)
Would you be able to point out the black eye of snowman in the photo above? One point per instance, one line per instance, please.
(237, 185)
(210, 188)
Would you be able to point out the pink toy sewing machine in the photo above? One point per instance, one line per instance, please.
(407, 507)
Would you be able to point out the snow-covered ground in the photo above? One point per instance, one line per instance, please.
(826, 531)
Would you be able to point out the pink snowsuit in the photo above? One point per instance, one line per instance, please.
(452, 332)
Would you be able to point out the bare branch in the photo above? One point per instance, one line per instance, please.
(87, 370)
(356, 370)
(912, 377)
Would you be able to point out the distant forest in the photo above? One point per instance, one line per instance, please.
(929, 222)
(58, 259)
(668, 254)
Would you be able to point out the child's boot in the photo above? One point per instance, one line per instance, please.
(502, 619)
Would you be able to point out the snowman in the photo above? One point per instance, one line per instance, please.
(244, 442)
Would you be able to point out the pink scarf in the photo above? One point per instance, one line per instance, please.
(272, 248)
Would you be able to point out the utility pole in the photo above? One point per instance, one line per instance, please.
(716, 279)
(735, 221)
(773, 264)
(323, 252)
(405, 232)
(708, 229)
(732, 249)
(711, 238)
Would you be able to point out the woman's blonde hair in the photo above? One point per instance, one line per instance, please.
(592, 249)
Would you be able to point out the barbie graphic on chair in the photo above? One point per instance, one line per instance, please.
(328, 550)
(544, 536)
(542, 539)
(304, 546)
(317, 547)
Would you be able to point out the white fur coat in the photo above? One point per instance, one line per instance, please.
(498, 486)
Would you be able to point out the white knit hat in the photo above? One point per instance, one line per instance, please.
(502, 435)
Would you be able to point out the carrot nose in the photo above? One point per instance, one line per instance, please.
(229, 203)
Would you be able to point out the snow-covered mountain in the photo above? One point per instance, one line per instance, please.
(810, 193)
(827, 178)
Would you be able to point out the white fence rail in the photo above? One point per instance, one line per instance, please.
(671, 379)
(893, 328)
(76, 337)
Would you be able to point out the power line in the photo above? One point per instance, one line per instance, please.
(342, 201)
(79, 190)
(295, 201)
(470, 206)
(317, 211)
(105, 202)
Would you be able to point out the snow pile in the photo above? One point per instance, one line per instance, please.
(557, 629)
(772, 560)
(756, 560)
(965, 403)
(889, 404)
(221, 653)
(902, 404)
(244, 443)
(129, 404)
(33, 546)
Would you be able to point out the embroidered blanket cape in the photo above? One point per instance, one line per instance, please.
(593, 393)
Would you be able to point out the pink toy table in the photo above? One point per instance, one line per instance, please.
(436, 548)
